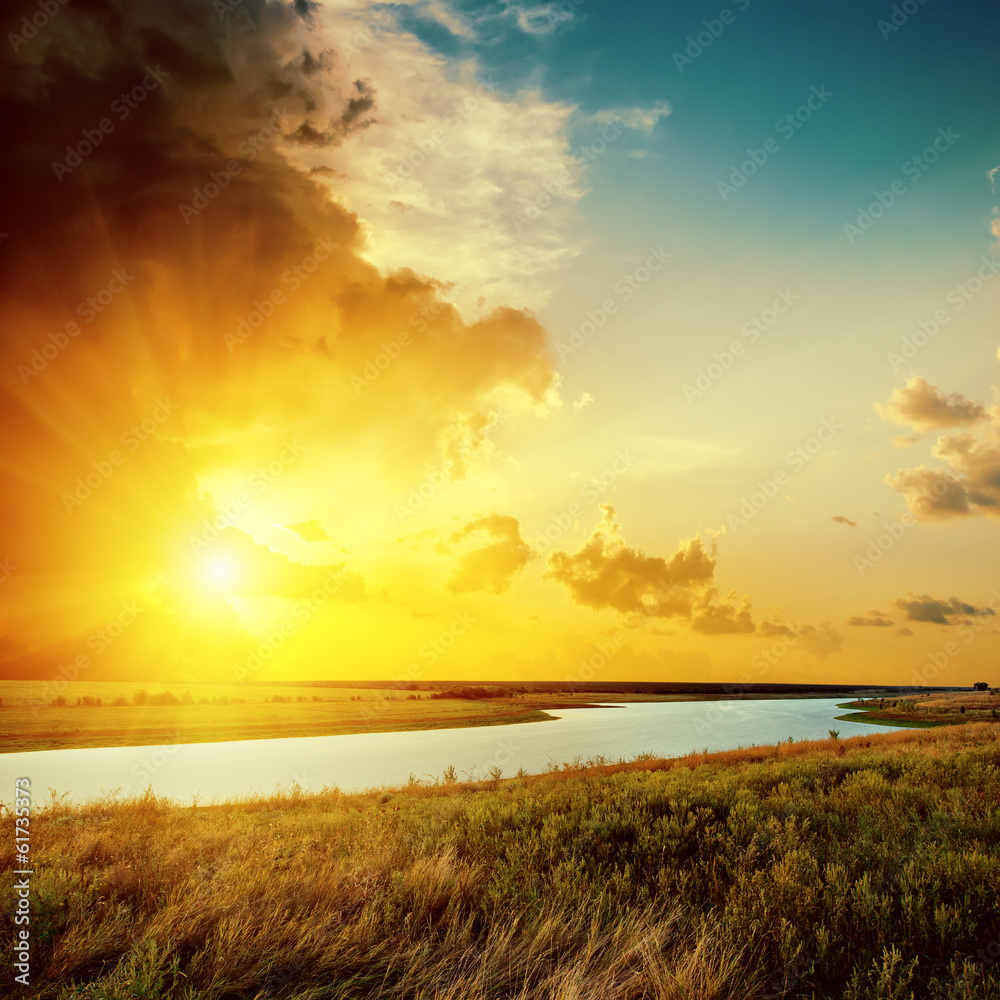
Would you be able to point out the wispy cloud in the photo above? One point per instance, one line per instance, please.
(640, 119)
(538, 19)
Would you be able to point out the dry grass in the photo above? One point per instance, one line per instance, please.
(947, 708)
(31, 721)
(789, 871)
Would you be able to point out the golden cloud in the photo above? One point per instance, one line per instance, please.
(491, 566)
(874, 619)
(606, 573)
(923, 407)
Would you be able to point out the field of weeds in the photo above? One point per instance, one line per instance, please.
(861, 869)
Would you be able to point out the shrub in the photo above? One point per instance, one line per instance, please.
(164, 698)
(477, 693)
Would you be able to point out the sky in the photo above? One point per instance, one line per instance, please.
(568, 341)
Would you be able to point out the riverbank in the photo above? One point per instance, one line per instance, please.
(80, 714)
(860, 869)
(97, 714)
(926, 711)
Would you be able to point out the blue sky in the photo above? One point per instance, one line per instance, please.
(890, 97)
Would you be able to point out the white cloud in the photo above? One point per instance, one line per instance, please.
(640, 119)
(442, 13)
(540, 19)
(448, 164)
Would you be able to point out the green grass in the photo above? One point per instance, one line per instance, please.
(869, 717)
(927, 711)
(861, 869)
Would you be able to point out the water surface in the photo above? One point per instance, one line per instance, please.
(222, 771)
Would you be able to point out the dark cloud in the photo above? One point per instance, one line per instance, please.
(840, 519)
(924, 608)
(215, 135)
(775, 626)
(356, 113)
(149, 149)
(353, 118)
(309, 135)
(874, 619)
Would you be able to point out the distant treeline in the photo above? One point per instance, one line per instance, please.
(145, 698)
(721, 688)
(476, 693)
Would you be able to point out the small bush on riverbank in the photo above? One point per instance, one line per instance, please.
(860, 869)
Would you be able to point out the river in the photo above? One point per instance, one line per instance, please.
(220, 772)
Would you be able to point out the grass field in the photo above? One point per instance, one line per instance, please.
(861, 869)
(926, 711)
(33, 720)
(234, 712)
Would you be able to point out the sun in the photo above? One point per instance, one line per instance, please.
(219, 571)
